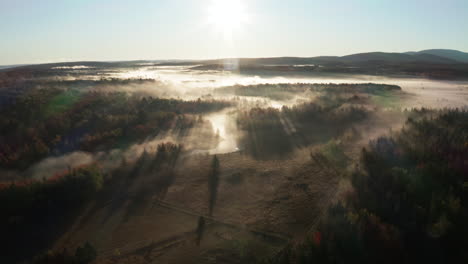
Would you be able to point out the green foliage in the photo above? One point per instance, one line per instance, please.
(62, 102)
(287, 91)
(333, 152)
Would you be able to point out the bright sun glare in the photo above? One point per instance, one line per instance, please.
(227, 15)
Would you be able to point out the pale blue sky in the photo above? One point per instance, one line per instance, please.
(36, 31)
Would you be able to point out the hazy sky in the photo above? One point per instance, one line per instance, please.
(35, 31)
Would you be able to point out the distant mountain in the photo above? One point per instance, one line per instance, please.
(420, 64)
(435, 63)
(396, 58)
(358, 59)
(265, 61)
(370, 59)
(445, 53)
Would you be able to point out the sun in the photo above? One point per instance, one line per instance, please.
(227, 16)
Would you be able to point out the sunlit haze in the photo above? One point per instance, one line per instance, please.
(53, 30)
(233, 131)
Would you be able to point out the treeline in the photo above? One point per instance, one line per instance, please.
(15, 82)
(91, 84)
(34, 213)
(83, 255)
(140, 183)
(158, 167)
(274, 132)
(408, 202)
(46, 122)
(286, 91)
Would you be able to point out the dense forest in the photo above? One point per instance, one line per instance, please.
(54, 121)
(34, 213)
(276, 132)
(286, 91)
(407, 204)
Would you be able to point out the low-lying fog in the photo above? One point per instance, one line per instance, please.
(421, 92)
(183, 83)
(194, 83)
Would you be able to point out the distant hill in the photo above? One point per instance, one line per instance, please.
(436, 63)
(397, 57)
(2, 67)
(354, 59)
(446, 65)
(445, 53)
(425, 57)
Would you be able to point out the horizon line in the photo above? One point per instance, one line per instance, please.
(5, 66)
